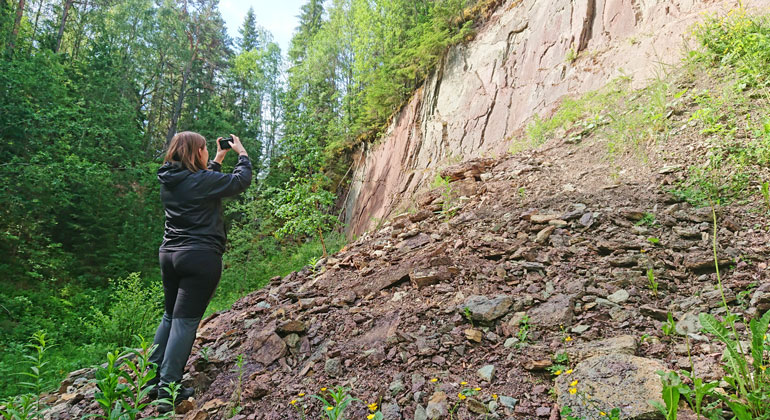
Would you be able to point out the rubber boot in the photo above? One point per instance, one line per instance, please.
(178, 348)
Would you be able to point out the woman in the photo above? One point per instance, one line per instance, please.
(193, 243)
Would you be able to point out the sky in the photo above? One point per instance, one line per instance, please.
(278, 17)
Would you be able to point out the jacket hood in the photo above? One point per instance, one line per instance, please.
(171, 174)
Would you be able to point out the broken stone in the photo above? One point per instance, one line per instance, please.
(437, 406)
(619, 296)
(482, 308)
(473, 335)
(486, 373)
(556, 311)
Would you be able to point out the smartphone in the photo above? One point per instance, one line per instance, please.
(226, 143)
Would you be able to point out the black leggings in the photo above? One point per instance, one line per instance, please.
(189, 281)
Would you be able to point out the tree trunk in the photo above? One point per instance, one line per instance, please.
(67, 5)
(37, 18)
(16, 24)
(179, 103)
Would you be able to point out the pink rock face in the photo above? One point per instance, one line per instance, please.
(486, 91)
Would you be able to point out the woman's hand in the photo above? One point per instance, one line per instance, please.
(220, 156)
(237, 146)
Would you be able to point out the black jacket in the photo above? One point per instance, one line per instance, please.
(193, 203)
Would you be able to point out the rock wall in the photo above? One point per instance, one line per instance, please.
(485, 91)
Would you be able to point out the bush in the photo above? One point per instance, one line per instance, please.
(134, 311)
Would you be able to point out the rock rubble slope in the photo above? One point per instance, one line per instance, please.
(486, 284)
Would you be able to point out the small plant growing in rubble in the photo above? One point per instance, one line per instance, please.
(669, 327)
(236, 398)
(467, 313)
(651, 282)
(446, 194)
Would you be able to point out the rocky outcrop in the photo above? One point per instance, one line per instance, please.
(524, 60)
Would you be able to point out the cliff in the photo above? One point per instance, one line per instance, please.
(524, 60)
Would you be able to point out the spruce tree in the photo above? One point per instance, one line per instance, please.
(249, 34)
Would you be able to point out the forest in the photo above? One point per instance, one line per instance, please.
(91, 91)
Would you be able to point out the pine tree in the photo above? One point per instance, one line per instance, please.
(249, 34)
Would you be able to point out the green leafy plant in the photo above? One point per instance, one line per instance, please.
(523, 332)
(765, 189)
(648, 219)
(671, 394)
(467, 314)
(339, 400)
(123, 384)
(653, 240)
(669, 327)
(651, 282)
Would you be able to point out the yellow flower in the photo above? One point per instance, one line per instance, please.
(329, 408)
(372, 407)
(573, 383)
(463, 383)
(461, 396)
(370, 416)
(568, 339)
(477, 389)
(602, 413)
(293, 402)
(301, 394)
(557, 373)
(573, 391)
(323, 389)
(568, 371)
(494, 396)
(763, 368)
(434, 380)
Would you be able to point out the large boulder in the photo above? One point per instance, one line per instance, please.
(602, 383)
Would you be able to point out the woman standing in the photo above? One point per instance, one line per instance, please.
(191, 253)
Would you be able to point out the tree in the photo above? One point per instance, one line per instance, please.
(16, 24)
(249, 35)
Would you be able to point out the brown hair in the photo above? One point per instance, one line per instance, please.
(184, 149)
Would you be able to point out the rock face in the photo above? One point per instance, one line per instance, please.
(602, 383)
(486, 90)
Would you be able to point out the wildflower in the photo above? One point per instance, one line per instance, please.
(573, 383)
(568, 339)
(763, 368)
(293, 402)
(372, 407)
(568, 371)
(323, 389)
(463, 383)
(330, 408)
(370, 416)
(494, 396)
(434, 380)
(602, 413)
(573, 391)
(301, 394)
(558, 372)
(461, 396)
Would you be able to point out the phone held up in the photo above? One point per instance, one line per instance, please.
(226, 143)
